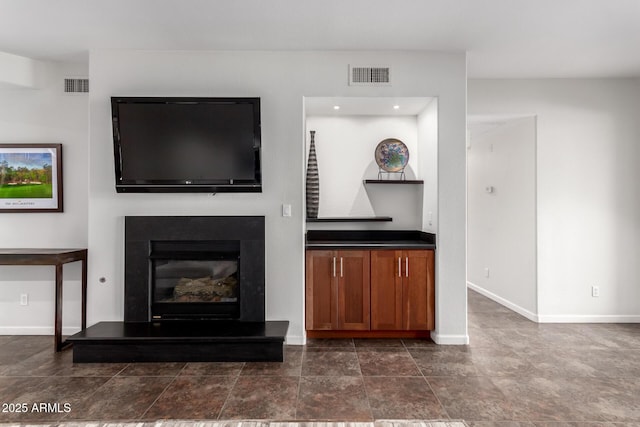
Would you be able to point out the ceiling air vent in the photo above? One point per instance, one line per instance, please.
(76, 85)
(369, 76)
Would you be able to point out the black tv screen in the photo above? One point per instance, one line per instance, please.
(187, 144)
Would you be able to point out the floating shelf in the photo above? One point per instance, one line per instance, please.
(352, 219)
(394, 181)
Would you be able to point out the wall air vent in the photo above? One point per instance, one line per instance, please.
(76, 85)
(378, 76)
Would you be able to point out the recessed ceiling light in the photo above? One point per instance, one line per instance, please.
(336, 107)
(396, 107)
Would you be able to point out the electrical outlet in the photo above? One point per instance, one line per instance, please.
(595, 291)
(24, 299)
(486, 272)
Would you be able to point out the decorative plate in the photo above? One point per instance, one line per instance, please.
(392, 155)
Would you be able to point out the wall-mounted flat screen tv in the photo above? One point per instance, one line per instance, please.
(171, 144)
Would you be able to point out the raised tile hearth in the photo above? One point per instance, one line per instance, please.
(181, 341)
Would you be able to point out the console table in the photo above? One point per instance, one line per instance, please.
(57, 258)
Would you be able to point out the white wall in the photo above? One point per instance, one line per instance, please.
(501, 224)
(588, 201)
(282, 80)
(22, 72)
(46, 115)
(345, 149)
(428, 164)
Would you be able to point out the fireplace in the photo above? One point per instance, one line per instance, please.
(194, 268)
(193, 292)
(195, 280)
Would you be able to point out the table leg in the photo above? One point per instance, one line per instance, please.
(58, 321)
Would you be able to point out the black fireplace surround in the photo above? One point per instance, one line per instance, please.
(175, 243)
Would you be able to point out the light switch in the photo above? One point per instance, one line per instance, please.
(286, 210)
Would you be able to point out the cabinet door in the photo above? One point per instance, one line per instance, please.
(353, 290)
(321, 298)
(418, 296)
(386, 290)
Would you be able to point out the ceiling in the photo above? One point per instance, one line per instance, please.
(365, 106)
(503, 38)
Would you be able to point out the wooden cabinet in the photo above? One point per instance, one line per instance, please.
(321, 302)
(386, 290)
(418, 290)
(377, 290)
(337, 290)
(402, 290)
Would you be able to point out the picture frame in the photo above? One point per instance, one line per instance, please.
(30, 177)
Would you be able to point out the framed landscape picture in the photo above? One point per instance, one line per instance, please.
(30, 177)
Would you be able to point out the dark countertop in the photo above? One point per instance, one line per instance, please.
(370, 239)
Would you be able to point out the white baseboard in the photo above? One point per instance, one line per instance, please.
(511, 306)
(442, 339)
(580, 318)
(557, 318)
(36, 330)
(296, 340)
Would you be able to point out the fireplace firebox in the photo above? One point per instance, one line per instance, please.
(195, 280)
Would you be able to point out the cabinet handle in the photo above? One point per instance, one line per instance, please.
(399, 268)
(406, 266)
(341, 267)
(334, 266)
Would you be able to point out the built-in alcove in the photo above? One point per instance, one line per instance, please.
(345, 143)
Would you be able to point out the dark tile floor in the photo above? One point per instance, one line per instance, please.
(515, 373)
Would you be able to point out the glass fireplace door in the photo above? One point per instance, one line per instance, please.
(194, 285)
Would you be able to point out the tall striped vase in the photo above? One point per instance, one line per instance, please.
(313, 180)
